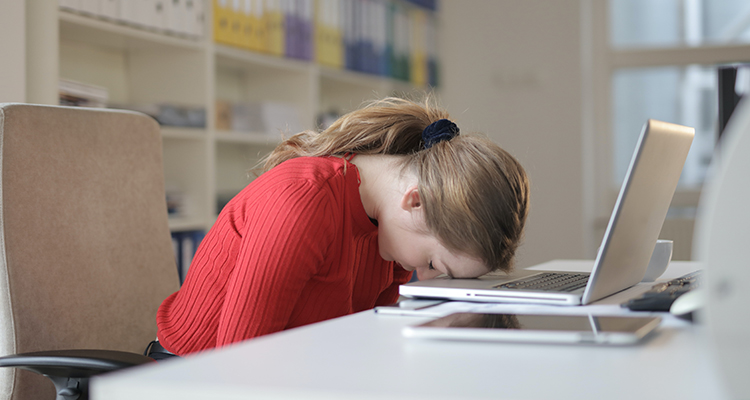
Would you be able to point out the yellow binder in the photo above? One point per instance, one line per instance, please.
(273, 14)
(221, 11)
(247, 30)
(259, 40)
(418, 48)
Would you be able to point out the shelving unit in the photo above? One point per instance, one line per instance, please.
(140, 66)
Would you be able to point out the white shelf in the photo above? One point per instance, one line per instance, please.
(353, 78)
(114, 34)
(233, 56)
(169, 132)
(250, 138)
(186, 224)
(141, 66)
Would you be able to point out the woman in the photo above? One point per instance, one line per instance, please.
(339, 219)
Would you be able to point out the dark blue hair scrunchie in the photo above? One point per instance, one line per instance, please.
(438, 131)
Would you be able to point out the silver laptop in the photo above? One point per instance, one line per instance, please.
(627, 245)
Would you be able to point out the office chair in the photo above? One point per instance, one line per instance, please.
(85, 249)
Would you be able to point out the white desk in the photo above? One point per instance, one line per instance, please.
(363, 356)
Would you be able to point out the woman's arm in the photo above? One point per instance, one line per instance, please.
(284, 243)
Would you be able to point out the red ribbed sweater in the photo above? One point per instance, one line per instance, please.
(293, 248)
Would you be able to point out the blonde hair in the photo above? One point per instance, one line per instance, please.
(475, 194)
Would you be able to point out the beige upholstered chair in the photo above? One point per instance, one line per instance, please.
(85, 250)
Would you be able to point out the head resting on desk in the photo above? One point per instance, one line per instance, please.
(474, 194)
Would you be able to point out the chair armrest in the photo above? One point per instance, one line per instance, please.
(74, 363)
(70, 370)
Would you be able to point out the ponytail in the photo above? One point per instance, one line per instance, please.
(389, 126)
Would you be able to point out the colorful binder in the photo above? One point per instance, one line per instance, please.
(274, 21)
(221, 21)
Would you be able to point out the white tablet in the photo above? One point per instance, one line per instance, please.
(617, 330)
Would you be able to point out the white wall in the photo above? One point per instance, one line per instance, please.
(512, 69)
(12, 51)
(28, 51)
(42, 53)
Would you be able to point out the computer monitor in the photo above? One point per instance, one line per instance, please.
(731, 90)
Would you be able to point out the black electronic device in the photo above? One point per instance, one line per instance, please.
(728, 95)
(661, 296)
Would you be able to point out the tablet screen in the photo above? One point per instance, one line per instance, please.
(536, 328)
(542, 322)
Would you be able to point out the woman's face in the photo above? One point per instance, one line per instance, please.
(403, 237)
(416, 250)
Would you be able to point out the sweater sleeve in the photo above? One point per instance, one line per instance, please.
(284, 243)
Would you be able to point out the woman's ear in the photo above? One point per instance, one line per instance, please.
(411, 199)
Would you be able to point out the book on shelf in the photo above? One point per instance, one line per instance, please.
(387, 61)
(431, 50)
(223, 110)
(273, 16)
(185, 244)
(193, 15)
(247, 117)
(401, 42)
(418, 38)
(176, 17)
(281, 119)
(246, 24)
(180, 16)
(427, 4)
(349, 37)
(328, 31)
(79, 94)
(236, 23)
(377, 36)
(392, 38)
(170, 114)
(221, 13)
(298, 25)
(291, 27)
(306, 30)
(269, 118)
(362, 39)
(258, 39)
(380, 38)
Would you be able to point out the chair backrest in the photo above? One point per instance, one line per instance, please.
(85, 249)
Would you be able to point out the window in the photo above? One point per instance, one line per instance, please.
(681, 93)
(671, 23)
(654, 59)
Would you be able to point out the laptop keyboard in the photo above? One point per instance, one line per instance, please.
(549, 281)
